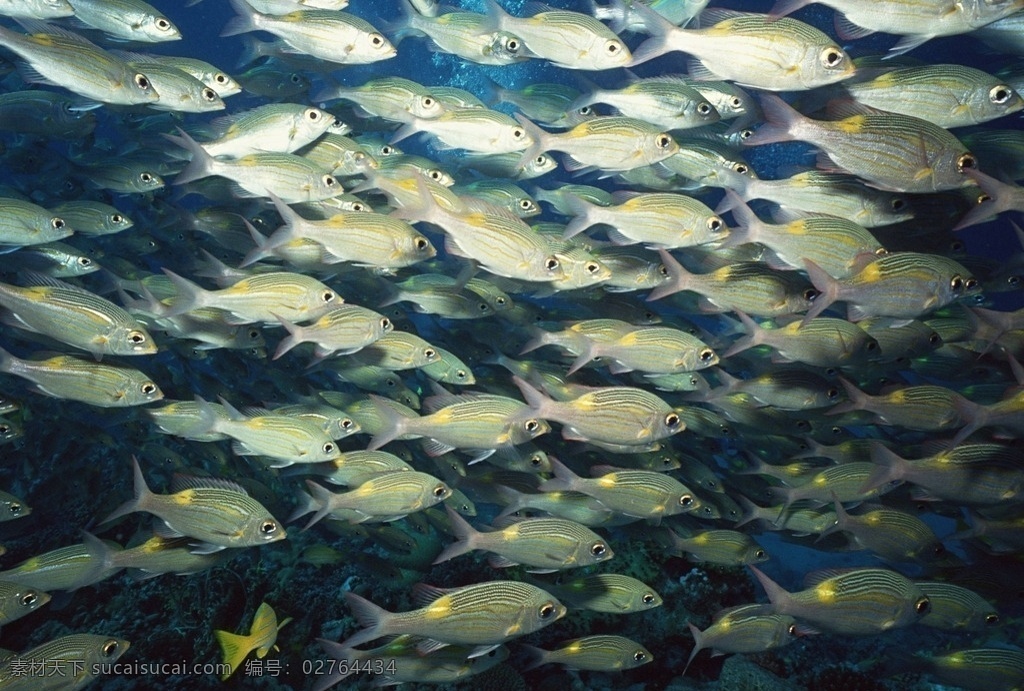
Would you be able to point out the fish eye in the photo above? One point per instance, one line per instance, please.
(312, 114)
(982, 198)
(328, 447)
(672, 420)
(429, 353)
(268, 527)
(483, 307)
(428, 102)
(704, 108)
(647, 598)
(29, 598)
(639, 656)
(148, 388)
(57, 223)
(84, 261)
(440, 491)
(741, 168)
(329, 181)
(547, 610)
(746, 134)
(663, 270)
(109, 648)
(551, 264)
(4, 430)
(327, 295)
(146, 177)
(296, 79)
(714, 224)
(934, 339)
(613, 47)
(434, 174)
(142, 81)
(956, 284)
(792, 630)
(421, 243)
(663, 141)
(386, 150)
(525, 204)
(923, 606)
(377, 40)
(735, 102)
(1000, 94)
(512, 45)
(897, 204)
(347, 423)
(254, 333)
(832, 57)
(585, 111)
(707, 355)
(117, 218)
(810, 294)
(385, 323)
(357, 206)
(803, 425)
(1013, 281)
(220, 78)
(966, 162)
(209, 95)
(956, 246)
(518, 133)
(832, 394)
(686, 500)
(970, 284)
(540, 160)
(992, 619)
(592, 267)
(760, 554)
(536, 460)
(881, 252)
(137, 337)
(873, 345)
(162, 24)
(598, 549)
(461, 374)
(531, 425)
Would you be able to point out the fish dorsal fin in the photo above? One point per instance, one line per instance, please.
(424, 595)
(600, 470)
(840, 108)
(180, 483)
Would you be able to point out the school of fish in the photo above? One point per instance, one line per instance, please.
(474, 340)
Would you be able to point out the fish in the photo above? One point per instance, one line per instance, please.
(890, 151)
(607, 592)
(76, 659)
(602, 653)
(67, 377)
(776, 54)
(483, 615)
(540, 544)
(126, 20)
(851, 602)
(11, 507)
(17, 601)
(379, 497)
(745, 629)
(262, 638)
(215, 512)
(62, 57)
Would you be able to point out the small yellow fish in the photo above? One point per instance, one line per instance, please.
(261, 638)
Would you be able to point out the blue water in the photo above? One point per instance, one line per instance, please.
(72, 464)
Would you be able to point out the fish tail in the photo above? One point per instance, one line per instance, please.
(747, 224)
(189, 295)
(678, 277)
(538, 656)
(827, 287)
(780, 119)
(581, 220)
(235, 648)
(465, 536)
(264, 246)
(392, 424)
(754, 335)
(252, 50)
(141, 493)
(7, 361)
(294, 337)
(538, 402)
(243, 22)
(660, 29)
(564, 478)
(101, 562)
(343, 654)
(698, 644)
(372, 617)
(1000, 199)
(776, 595)
(200, 166)
(541, 140)
(320, 499)
(590, 351)
(890, 467)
